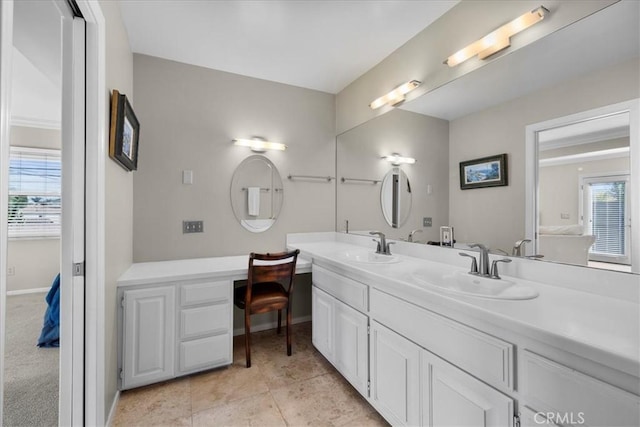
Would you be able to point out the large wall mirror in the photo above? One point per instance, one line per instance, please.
(590, 64)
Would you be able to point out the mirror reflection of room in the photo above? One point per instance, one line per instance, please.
(583, 189)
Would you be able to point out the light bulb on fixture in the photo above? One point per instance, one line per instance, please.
(259, 145)
(395, 96)
(396, 159)
(499, 39)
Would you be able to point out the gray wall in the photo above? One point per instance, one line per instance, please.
(119, 192)
(421, 57)
(477, 214)
(358, 156)
(35, 261)
(188, 116)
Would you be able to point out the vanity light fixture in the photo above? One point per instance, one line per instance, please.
(396, 159)
(499, 39)
(395, 96)
(259, 145)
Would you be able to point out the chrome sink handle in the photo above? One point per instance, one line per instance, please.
(474, 263)
(378, 247)
(494, 267)
(388, 250)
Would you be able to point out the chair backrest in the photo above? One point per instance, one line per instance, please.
(281, 272)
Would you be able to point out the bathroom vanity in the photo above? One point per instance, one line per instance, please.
(176, 317)
(426, 355)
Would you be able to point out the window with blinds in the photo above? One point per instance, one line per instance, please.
(608, 217)
(34, 192)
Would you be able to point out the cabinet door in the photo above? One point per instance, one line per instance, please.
(351, 346)
(322, 322)
(149, 336)
(451, 397)
(395, 379)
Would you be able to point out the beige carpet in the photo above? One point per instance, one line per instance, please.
(31, 373)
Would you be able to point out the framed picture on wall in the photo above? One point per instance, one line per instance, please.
(124, 132)
(484, 172)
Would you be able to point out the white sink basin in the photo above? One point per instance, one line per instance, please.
(367, 257)
(468, 284)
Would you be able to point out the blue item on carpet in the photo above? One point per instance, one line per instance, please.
(50, 336)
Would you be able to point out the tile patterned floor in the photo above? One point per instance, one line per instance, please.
(301, 390)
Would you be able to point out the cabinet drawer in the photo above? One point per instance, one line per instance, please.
(346, 290)
(199, 321)
(206, 292)
(482, 355)
(571, 395)
(205, 353)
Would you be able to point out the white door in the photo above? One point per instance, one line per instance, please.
(149, 336)
(71, 388)
(605, 215)
(351, 347)
(395, 377)
(451, 397)
(322, 322)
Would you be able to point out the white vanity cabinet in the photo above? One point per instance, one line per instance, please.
(339, 331)
(395, 376)
(149, 331)
(170, 330)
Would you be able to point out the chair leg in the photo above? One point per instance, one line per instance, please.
(279, 322)
(247, 337)
(288, 331)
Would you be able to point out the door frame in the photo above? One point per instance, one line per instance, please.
(6, 46)
(96, 149)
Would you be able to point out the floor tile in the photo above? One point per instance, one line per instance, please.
(259, 410)
(157, 404)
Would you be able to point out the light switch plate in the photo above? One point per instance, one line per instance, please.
(427, 221)
(187, 177)
(564, 216)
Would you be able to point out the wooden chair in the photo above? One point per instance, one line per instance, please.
(265, 291)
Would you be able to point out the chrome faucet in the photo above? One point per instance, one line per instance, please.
(519, 246)
(410, 238)
(383, 247)
(483, 262)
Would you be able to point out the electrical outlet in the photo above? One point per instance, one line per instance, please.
(426, 221)
(564, 216)
(11, 271)
(192, 227)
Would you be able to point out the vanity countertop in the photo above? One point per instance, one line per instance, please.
(197, 268)
(605, 330)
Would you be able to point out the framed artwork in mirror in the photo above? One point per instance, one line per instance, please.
(124, 132)
(484, 172)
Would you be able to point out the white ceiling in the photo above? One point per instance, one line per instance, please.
(608, 37)
(316, 44)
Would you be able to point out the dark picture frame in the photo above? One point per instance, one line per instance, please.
(124, 132)
(484, 172)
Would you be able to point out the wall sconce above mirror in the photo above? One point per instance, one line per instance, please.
(499, 39)
(396, 96)
(396, 159)
(259, 145)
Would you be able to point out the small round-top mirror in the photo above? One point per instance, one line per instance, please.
(395, 197)
(256, 193)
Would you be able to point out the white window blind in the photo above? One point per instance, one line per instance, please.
(608, 217)
(34, 192)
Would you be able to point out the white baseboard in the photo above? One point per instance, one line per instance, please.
(28, 291)
(270, 325)
(112, 411)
